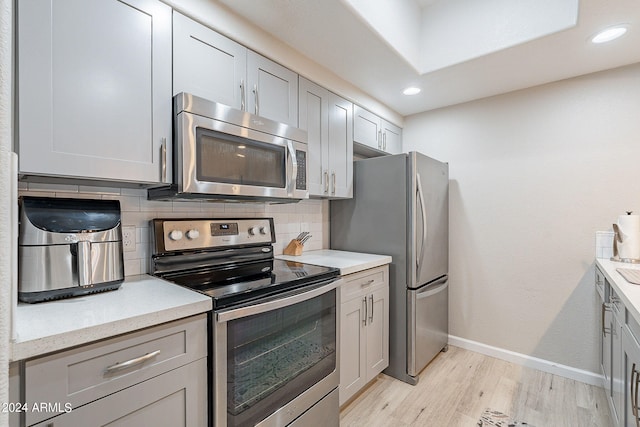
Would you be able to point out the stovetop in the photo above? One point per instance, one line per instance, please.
(241, 283)
(229, 259)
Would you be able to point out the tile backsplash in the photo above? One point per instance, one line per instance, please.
(604, 244)
(290, 219)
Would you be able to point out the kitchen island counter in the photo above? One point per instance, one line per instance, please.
(347, 262)
(140, 302)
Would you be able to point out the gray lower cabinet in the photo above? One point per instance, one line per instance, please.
(327, 118)
(156, 376)
(211, 66)
(94, 90)
(631, 354)
(364, 329)
(176, 398)
(619, 356)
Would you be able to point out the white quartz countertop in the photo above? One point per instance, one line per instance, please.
(628, 292)
(347, 262)
(140, 302)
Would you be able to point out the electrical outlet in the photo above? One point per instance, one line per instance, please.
(129, 238)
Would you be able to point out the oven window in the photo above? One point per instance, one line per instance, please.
(232, 160)
(273, 357)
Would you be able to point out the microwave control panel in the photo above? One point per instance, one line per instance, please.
(301, 178)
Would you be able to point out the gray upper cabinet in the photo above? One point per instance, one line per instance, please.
(374, 135)
(328, 120)
(391, 138)
(274, 90)
(94, 89)
(209, 65)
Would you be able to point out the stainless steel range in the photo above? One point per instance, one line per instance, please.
(273, 329)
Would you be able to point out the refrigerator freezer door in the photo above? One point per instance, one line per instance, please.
(428, 317)
(429, 222)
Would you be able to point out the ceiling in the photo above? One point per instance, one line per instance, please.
(454, 50)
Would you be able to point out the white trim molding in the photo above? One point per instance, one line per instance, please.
(543, 365)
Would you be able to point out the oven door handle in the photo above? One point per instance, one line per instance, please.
(237, 313)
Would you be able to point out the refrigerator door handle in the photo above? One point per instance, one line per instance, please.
(424, 227)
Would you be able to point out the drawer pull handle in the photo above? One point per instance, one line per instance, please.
(367, 283)
(132, 362)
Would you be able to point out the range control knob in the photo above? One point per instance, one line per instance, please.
(193, 234)
(253, 231)
(175, 234)
(263, 230)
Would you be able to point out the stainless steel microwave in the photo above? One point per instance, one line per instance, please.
(221, 153)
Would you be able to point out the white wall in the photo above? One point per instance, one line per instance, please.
(534, 174)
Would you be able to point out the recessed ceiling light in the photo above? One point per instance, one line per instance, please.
(609, 34)
(412, 90)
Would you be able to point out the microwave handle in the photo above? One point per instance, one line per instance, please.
(294, 168)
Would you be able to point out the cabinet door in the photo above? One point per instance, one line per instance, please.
(366, 128)
(273, 90)
(391, 138)
(605, 348)
(314, 119)
(177, 398)
(617, 379)
(340, 146)
(353, 368)
(94, 89)
(207, 64)
(631, 379)
(377, 332)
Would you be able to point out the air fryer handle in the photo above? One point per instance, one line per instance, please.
(84, 263)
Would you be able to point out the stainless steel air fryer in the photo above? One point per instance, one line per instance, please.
(68, 247)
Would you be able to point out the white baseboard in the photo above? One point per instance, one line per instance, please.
(528, 361)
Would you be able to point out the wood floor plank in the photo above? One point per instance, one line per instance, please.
(456, 388)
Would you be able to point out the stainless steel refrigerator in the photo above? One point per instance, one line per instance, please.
(400, 207)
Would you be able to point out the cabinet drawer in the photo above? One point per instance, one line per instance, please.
(87, 373)
(364, 281)
(176, 399)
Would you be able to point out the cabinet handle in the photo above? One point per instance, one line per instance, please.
(326, 182)
(635, 398)
(379, 139)
(364, 319)
(371, 315)
(255, 93)
(129, 363)
(633, 393)
(367, 283)
(384, 141)
(242, 103)
(333, 178)
(163, 161)
(605, 307)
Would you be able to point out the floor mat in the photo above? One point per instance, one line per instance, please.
(494, 418)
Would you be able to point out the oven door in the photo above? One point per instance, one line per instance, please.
(273, 361)
(217, 157)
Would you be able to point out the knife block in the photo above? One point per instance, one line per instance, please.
(293, 248)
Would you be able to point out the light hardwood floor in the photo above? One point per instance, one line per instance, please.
(457, 386)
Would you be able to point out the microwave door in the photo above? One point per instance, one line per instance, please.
(225, 159)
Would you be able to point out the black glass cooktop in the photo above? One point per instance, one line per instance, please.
(241, 283)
